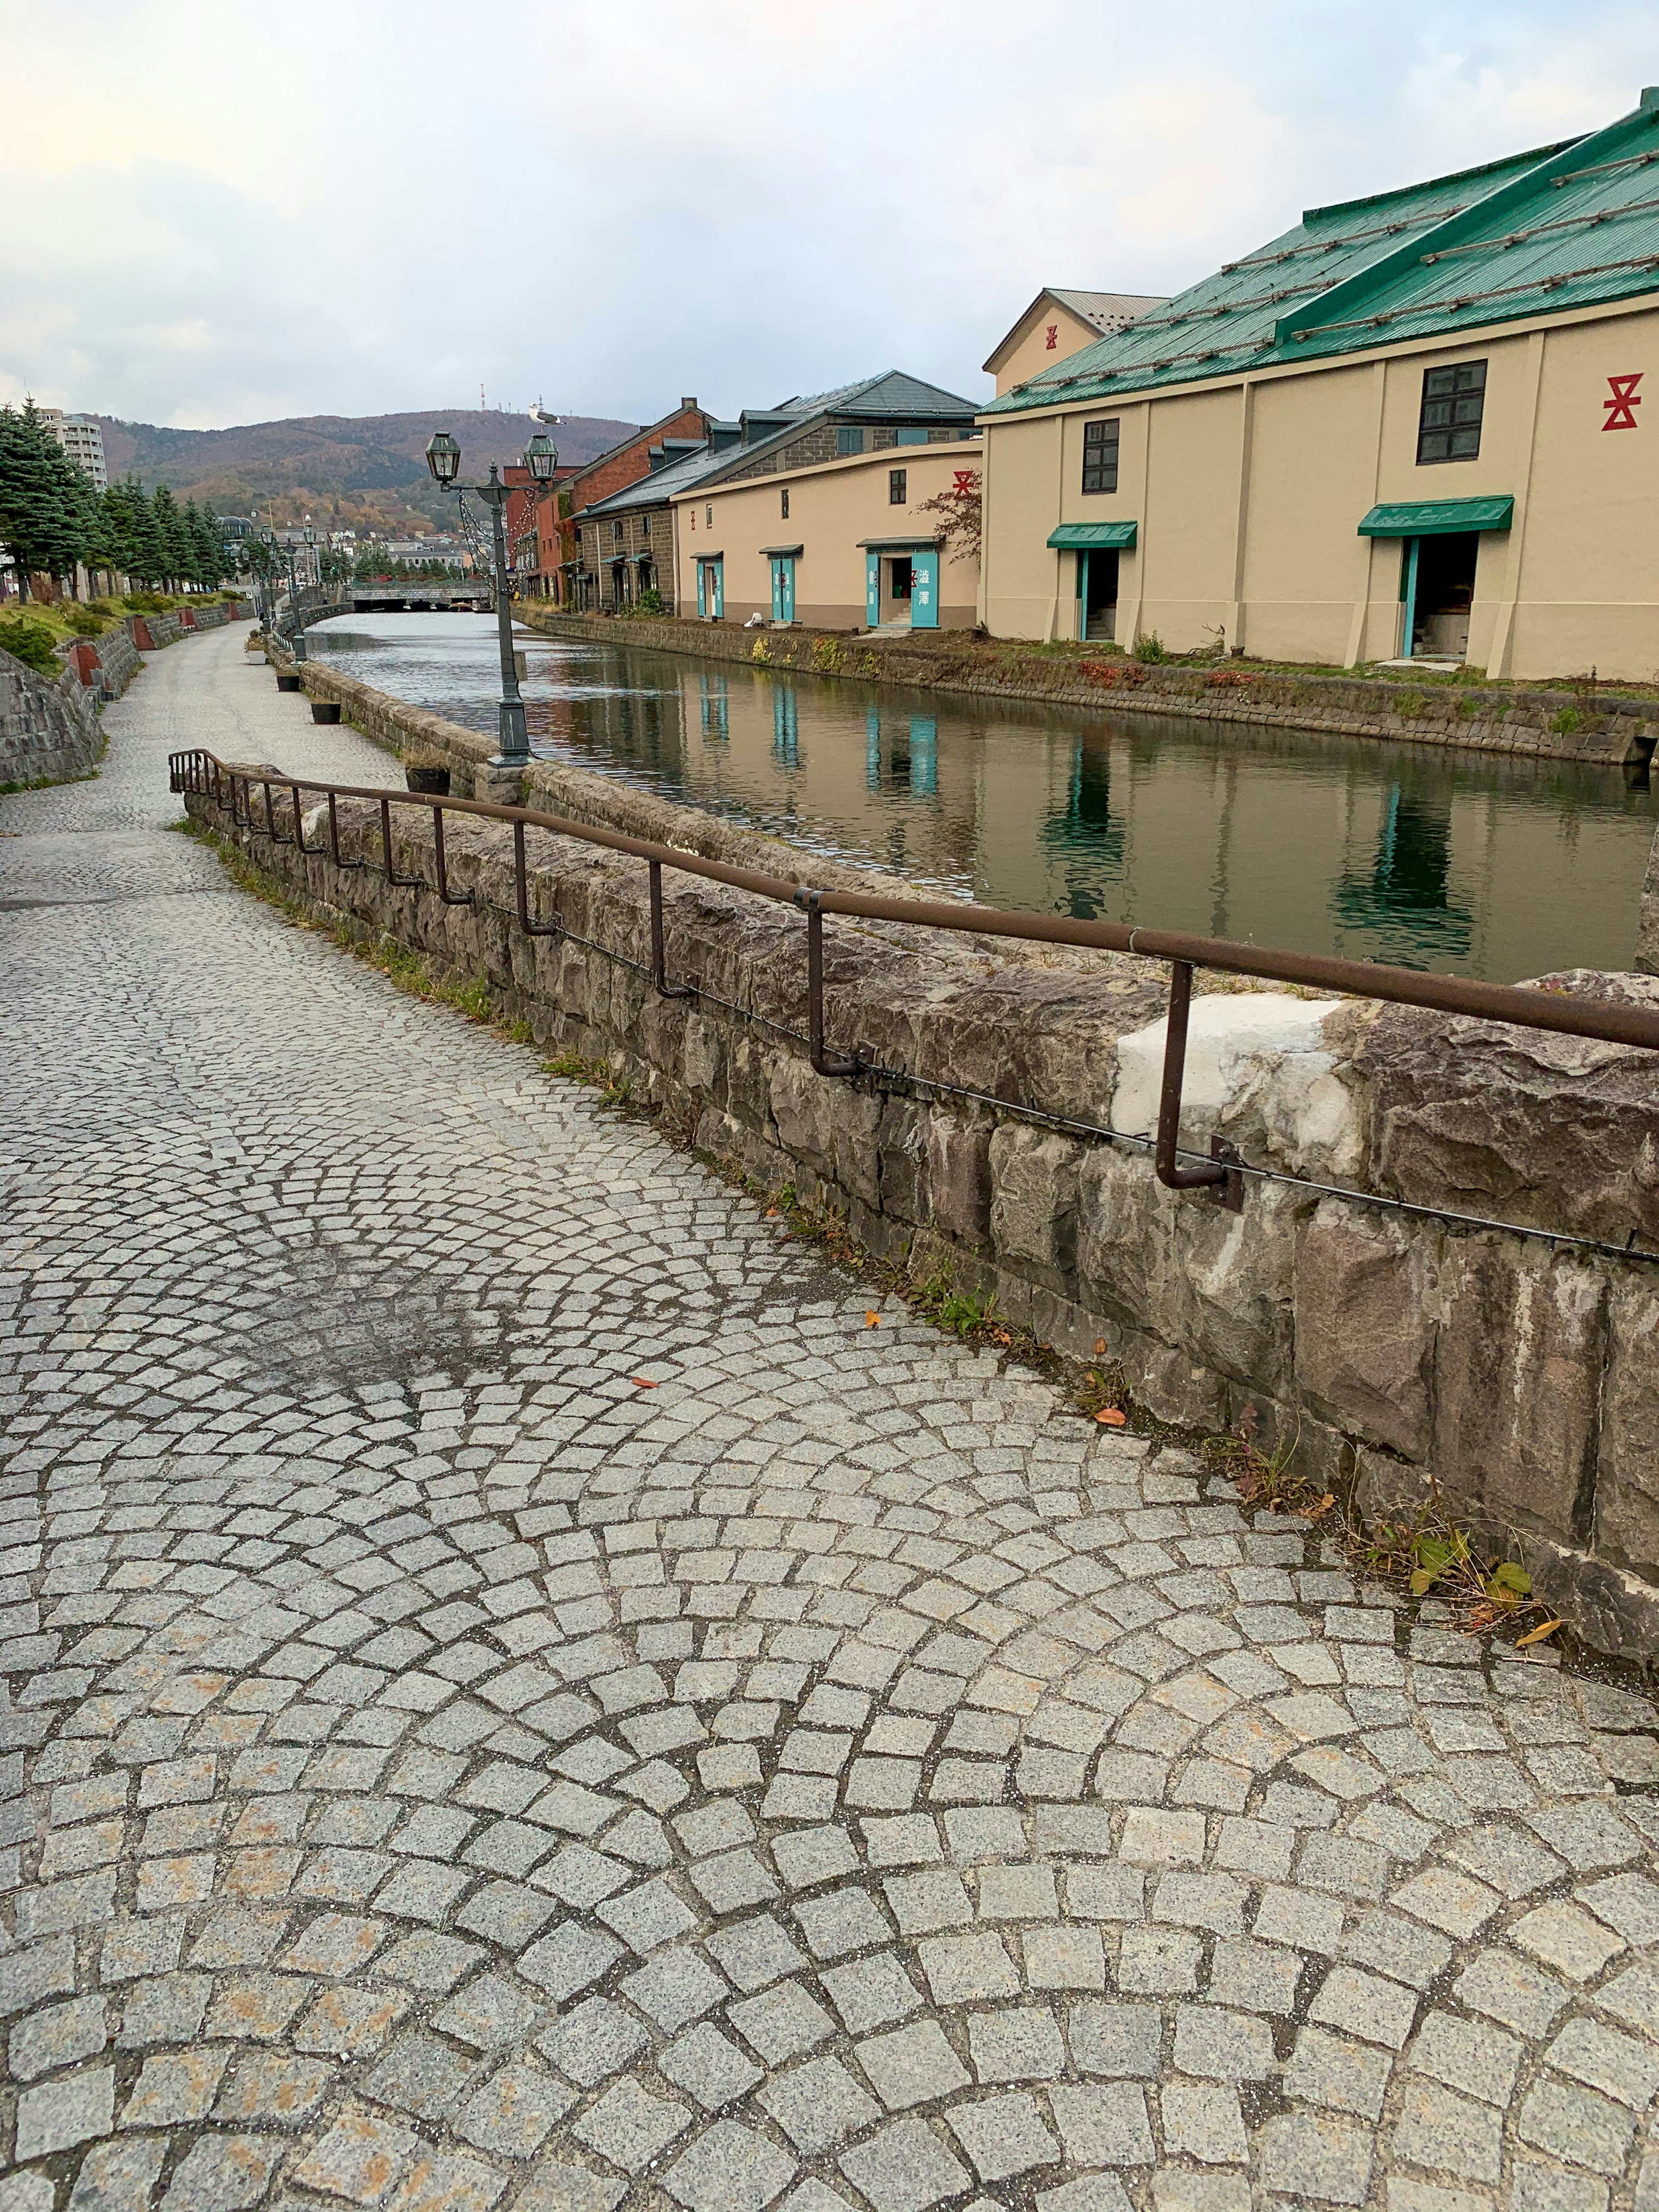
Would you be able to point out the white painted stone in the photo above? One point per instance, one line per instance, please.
(1256, 1056)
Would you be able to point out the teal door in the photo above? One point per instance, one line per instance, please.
(711, 589)
(872, 590)
(1408, 552)
(783, 587)
(924, 588)
(702, 588)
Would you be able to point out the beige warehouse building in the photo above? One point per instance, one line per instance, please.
(1414, 425)
(837, 545)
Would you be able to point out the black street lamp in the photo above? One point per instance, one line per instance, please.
(299, 648)
(443, 457)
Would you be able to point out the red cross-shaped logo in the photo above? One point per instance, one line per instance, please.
(1052, 344)
(1621, 407)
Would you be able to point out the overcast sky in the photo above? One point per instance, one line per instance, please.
(217, 217)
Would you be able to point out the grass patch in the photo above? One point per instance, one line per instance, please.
(1427, 1553)
(597, 1074)
(49, 782)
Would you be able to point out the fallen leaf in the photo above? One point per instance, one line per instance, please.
(1319, 1507)
(873, 1321)
(1537, 1635)
(1100, 1347)
(639, 1382)
(1112, 1417)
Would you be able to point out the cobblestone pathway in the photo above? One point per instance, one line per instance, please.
(519, 1697)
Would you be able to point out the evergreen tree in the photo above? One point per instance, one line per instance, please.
(190, 521)
(44, 499)
(213, 566)
(173, 540)
(137, 548)
(119, 541)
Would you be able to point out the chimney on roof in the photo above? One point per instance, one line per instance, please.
(689, 402)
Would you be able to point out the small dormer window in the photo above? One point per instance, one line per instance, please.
(848, 441)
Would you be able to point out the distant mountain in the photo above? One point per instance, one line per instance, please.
(347, 471)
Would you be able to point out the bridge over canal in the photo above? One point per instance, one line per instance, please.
(391, 595)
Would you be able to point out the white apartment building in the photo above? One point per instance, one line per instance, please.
(82, 438)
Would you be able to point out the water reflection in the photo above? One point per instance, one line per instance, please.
(1489, 867)
(1410, 874)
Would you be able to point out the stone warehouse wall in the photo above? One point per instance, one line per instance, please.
(1383, 1350)
(48, 729)
(1545, 725)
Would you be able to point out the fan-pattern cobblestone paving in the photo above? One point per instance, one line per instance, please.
(518, 1697)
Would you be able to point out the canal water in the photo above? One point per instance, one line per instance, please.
(1471, 865)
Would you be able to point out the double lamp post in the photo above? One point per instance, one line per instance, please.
(443, 457)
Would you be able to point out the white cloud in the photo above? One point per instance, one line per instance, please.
(358, 207)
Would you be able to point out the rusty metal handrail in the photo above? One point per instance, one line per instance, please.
(1562, 1012)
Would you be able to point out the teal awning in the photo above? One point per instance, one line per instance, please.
(1093, 537)
(1435, 517)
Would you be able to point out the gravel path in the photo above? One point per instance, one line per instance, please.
(444, 1773)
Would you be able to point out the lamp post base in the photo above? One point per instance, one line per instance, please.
(513, 732)
(499, 782)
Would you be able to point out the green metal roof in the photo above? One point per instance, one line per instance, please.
(1092, 537)
(1567, 225)
(1436, 518)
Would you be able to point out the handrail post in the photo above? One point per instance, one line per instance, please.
(334, 852)
(659, 953)
(397, 882)
(824, 1062)
(271, 830)
(521, 881)
(1218, 1173)
(440, 873)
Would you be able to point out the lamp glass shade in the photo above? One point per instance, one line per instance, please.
(309, 535)
(443, 457)
(541, 457)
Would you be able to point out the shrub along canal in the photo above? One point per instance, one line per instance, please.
(1472, 864)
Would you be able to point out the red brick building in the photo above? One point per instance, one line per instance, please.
(626, 462)
(531, 520)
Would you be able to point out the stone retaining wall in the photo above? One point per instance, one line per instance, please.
(1545, 724)
(1382, 1350)
(104, 665)
(48, 729)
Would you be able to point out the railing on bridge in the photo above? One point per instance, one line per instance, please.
(1222, 1172)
